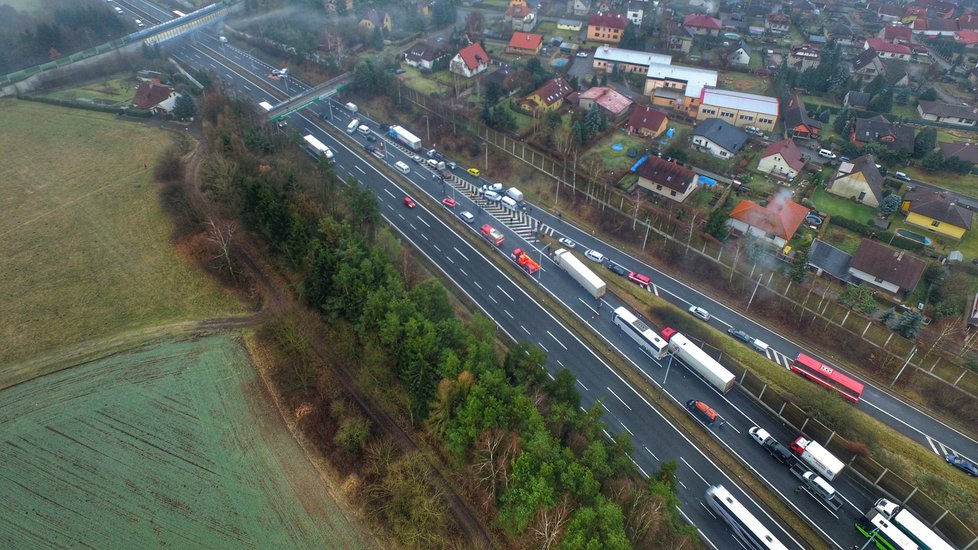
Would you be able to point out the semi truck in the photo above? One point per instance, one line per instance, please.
(493, 234)
(525, 261)
(580, 272)
(818, 457)
(911, 526)
(699, 361)
(405, 138)
(817, 487)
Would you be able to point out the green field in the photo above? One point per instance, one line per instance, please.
(117, 92)
(85, 245)
(172, 445)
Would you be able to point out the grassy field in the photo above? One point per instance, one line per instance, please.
(837, 206)
(743, 82)
(119, 91)
(169, 445)
(83, 240)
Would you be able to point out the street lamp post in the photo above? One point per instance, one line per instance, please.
(427, 129)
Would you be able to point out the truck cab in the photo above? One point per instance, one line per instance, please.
(492, 234)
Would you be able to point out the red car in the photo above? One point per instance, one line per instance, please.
(449, 202)
(408, 202)
(640, 279)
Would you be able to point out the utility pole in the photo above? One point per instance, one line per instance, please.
(905, 363)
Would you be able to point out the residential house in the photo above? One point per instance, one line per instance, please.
(680, 38)
(804, 7)
(774, 224)
(857, 101)
(702, 25)
(968, 38)
(678, 87)
(888, 50)
(896, 35)
(892, 13)
(880, 130)
(606, 27)
(548, 97)
(781, 159)
(826, 259)
(937, 8)
(936, 211)
(803, 57)
(963, 150)
(859, 180)
(375, 20)
(609, 59)
(968, 21)
(778, 23)
(866, 66)
(424, 55)
(895, 72)
(646, 121)
(738, 108)
(797, 123)
(945, 113)
(508, 78)
(893, 270)
(841, 33)
(519, 16)
(741, 54)
(580, 8)
(636, 12)
(667, 179)
(933, 28)
(611, 103)
(470, 61)
(150, 94)
(708, 7)
(718, 137)
(524, 43)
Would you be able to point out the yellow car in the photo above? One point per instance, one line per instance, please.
(475, 172)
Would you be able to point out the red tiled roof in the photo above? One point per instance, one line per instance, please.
(891, 32)
(881, 45)
(788, 151)
(782, 18)
(607, 98)
(781, 217)
(968, 21)
(608, 19)
(667, 174)
(526, 40)
(966, 37)
(473, 55)
(646, 117)
(150, 94)
(702, 22)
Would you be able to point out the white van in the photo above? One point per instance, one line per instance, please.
(223, 39)
(402, 168)
(353, 126)
(364, 129)
(760, 346)
(594, 256)
(508, 202)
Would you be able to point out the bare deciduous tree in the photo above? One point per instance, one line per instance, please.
(948, 326)
(494, 451)
(221, 235)
(550, 524)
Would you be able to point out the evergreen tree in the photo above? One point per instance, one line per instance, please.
(716, 224)
(925, 142)
(184, 108)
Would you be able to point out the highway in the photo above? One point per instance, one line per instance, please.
(522, 318)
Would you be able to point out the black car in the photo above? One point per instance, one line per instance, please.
(384, 127)
(617, 269)
(370, 148)
(740, 335)
(371, 138)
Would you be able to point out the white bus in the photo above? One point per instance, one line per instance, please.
(265, 105)
(880, 530)
(317, 149)
(745, 526)
(917, 530)
(646, 338)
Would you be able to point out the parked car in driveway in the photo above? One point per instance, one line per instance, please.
(962, 464)
(825, 153)
(567, 243)
(699, 312)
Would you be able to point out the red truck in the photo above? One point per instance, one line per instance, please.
(493, 235)
(525, 261)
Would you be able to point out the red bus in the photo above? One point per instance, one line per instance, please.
(827, 376)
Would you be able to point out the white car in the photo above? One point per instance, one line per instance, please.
(759, 435)
(492, 196)
(417, 158)
(594, 256)
(826, 153)
(699, 312)
(433, 163)
(581, 54)
(567, 242)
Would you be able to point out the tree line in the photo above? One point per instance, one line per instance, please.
(519, 439)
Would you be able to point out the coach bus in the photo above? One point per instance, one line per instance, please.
(745, 526)
(646, 338)
(826, 376)
(884, 534)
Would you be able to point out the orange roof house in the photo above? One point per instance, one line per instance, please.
(525, 43)
(773, 224)
(470, 61)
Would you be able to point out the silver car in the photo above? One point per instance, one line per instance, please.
(699, 312)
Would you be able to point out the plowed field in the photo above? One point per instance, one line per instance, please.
(171, 445)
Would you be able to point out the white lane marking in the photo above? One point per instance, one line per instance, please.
(449, 259)
(506, 293)
(558, 341)
(388, 192)
(494, 300)
(561, 364)
(588, 306)
(604, 407)
(651, 453)
(424, 222)
(550, 375)
(524, 329)
(626, 429)
(361, 170)
(694, 470)
(425, 237)
(462, 271)
(412, 226)
(583, 386)
(698, 530)
(619, 398)
(543, 348)
(436, 247)
(460, 254)
(476, 283)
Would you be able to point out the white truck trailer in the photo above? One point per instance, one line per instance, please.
(405, 138)
(580, 272)
(818, 458)
(699, 361)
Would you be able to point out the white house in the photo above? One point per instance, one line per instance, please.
(781, 159)
(469, 61)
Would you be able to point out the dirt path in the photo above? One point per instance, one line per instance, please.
(274, 299)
